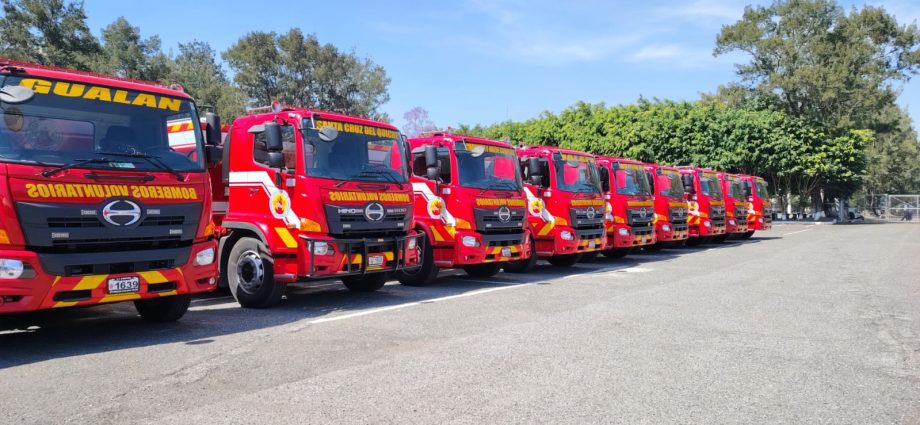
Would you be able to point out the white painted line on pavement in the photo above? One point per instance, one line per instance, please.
(414, 303)
(798, 231)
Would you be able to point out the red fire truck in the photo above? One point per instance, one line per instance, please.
(759, 205)
(630, 204)
(704, 198)
(469, 203)
(736, 222)
(98, 207)
(671, 210)
(565, 204)
(312, 195)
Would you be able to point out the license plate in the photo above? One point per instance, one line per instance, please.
(506, 252)
(122, 285)
(591, 245)
(375, 260)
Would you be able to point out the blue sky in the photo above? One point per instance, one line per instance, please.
(481, 61)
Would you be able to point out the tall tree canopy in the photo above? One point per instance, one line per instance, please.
(51, 32)
(294, 68)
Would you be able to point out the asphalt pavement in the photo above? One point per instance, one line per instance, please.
(800, 324)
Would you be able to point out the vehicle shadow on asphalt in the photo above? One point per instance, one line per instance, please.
(49, 334)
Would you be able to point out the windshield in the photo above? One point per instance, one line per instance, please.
(670, 184)
(737, 188)
(576, 173)
(761, 189)
(631, 179)
(359, 152)
(487, 167)
(97, 127)
(709, 185)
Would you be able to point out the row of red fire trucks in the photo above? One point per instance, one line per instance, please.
(117, 190)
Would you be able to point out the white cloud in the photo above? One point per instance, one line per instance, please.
(708, 10)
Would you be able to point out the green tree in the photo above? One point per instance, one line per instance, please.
(50, 32)
(126, 54)
(294, 68)
(197, 70)
(816, 62)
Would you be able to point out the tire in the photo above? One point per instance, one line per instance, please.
(719, 238)
(251, 275)
(483, 270)
(588, 257)
(523, 266)
(567, 260)
(367, 283)
(746, 235)
(423, 275)
(616, 252)
(163, 309)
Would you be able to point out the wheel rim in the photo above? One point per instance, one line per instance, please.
(250, 272)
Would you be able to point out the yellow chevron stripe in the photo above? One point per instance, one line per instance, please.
(90, 282)
(286, 237)
(153, 277)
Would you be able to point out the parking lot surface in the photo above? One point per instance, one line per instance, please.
(800, 324)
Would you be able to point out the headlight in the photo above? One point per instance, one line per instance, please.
(760, 219)
(413, 242)
(204, 257)
(322, 248)
(623, 232)
(566, 235)
(470, 241)
(732, 222)
(11, 269)
(665, 227)
(707, 223)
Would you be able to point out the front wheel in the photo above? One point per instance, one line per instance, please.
(588, 257)
(425, 273)
(567, 260)
(163, 309)
(251, 275)
(483, 270)
(524, 266)
(747, 235)
(367, 283)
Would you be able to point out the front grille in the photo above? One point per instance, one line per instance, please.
(678, 215)
(91, 222)
(353, 220)
(499, 220)
(587, 218)
(115, 244)
(640, 217)
(717, 213)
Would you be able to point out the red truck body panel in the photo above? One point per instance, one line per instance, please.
(116, 228)
(760, 207)
(564, 222)
(671, 210)
(707, 209)
(736, 220)
(630, 202)
(469, 217)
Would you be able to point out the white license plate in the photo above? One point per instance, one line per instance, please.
(123, 285)
(591, 245)
(506, 252)
(375, 260)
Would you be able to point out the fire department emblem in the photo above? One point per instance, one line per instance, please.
(536, 206)
(435, 207)
(279, 204)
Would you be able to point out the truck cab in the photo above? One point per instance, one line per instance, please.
(98, 206)
(630, 203)
(469, 204)
(759, 205)
(671, 209)
(566, 205)
(736, 222)
(706, 217)
(312, 195)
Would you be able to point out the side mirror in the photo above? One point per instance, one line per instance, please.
(15, 94)
(687, 180)
(276, 160)
(213, 154)
(212, 129)
(747, 191)
(273, 138)
(651, 180)
(535, 168)
(431, 162)
(604, 175)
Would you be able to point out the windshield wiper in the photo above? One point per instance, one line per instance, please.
(76, 163)
(152, 159)
(386, 175)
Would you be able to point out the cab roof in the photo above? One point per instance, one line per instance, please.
(304, 112)
(550, 149)
(19, 68)
(434, 135)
